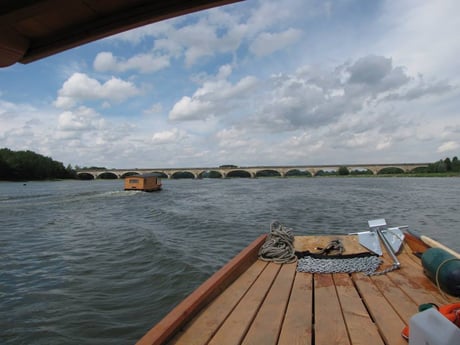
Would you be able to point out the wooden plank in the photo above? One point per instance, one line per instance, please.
(414, 244)
(414, 272)
(408, 252)
(361, 328)
(191, 305)
(297, 326)
(401, 303)
(267, 325)
(418, 293)
(206, 324)
(329, 325)
(237, 324)
(388, 322)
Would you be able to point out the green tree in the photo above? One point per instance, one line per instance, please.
(437, 167)
(420, 170)
(343, 170)
(28, 165)
(296, 172)
(448, 164)
(455, 164)
(391, 170)
(361, 172)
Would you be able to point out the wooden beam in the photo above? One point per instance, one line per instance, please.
(31, 30)
(114, 23)
(13, 46)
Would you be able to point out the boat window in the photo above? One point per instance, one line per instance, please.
(134, 181)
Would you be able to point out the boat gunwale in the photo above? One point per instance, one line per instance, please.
(202, 296)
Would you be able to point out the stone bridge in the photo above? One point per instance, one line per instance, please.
(249, 171)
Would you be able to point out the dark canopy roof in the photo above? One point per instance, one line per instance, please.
(33, 29)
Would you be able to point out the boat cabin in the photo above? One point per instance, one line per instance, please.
(145, 182)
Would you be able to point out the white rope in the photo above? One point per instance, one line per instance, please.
(279, 245)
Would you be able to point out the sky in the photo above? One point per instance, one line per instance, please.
(260, 82)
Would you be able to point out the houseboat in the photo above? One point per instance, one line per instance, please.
(145, 183)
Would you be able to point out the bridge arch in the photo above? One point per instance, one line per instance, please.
(268, 173)
(419, 170)
(391, 170)
(362, 171)
(239, 173)
(297, 172)
(159, 174)
(183, 174)
(210, 174)
(326, 172)
(85, 176)
(107, 175)
(129, 173)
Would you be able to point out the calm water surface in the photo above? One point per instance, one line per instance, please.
(87, 263)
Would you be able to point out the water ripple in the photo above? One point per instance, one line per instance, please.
(88, 263)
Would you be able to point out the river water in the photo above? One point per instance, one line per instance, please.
(84, 262)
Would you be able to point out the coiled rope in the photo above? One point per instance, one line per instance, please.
(279, 245)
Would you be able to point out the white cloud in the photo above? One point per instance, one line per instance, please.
(25, 127)
(422, 35)
(266, 43)
(140, 34)
(232, 138)
(105, 61)
(170, 47)
(156, 108)
(214, 98)
(80, 88)
(273, 14)
(144, 63)
(210, 33)
(363, 112)
(168, 137)
(190, 109)
(449, 146)
(81, 119)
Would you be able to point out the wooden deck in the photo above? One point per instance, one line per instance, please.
(274, 304)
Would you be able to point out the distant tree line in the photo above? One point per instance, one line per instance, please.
(442, 166)
(445, 165)
(343, 171)
(89, 168)
(28, 165)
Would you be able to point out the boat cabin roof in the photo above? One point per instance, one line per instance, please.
(143, 176)
(31, 30)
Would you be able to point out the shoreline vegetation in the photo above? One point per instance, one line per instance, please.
(30, 166)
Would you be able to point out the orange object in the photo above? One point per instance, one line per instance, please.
(450, 311)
